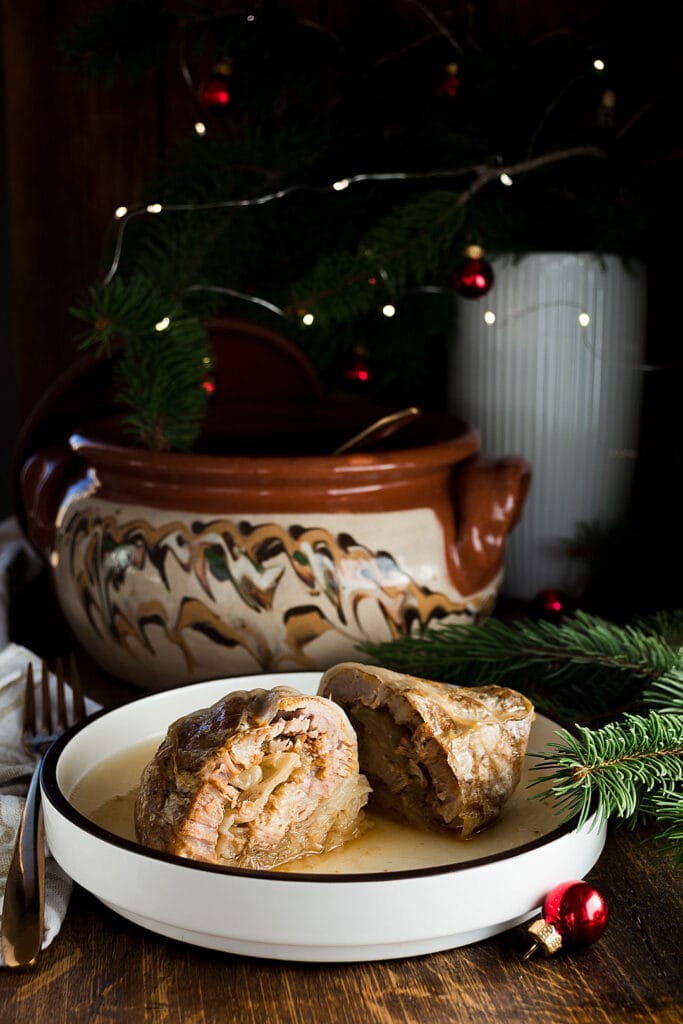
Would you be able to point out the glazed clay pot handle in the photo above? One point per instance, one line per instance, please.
(490, 499)
(43, 482)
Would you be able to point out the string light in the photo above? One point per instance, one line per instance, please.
(438, 25)
(599, 64)
(233, 293)
(484, 173)
(505, 179)
(307, 319)
(503, 320)
(200, 128)
(269, 197)
(163, 324)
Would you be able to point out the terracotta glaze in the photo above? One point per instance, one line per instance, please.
(172, 568)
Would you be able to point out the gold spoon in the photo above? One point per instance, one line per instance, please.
(380, 429)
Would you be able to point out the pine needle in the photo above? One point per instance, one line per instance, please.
(614, 767)
(160, 371)
(579, 669)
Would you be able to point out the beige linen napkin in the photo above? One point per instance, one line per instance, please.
(15, 771)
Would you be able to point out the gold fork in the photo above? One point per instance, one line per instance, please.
(23, 908)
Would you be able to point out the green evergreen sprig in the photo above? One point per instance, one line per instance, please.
(580, 669)
(399, 251)
(163, 360)
(666, 808)
(627, 770)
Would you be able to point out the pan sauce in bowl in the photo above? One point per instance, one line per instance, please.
(106, 795)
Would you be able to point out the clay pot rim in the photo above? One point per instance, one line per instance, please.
(92, 444)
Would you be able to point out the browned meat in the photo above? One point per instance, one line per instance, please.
(254, 781)
(437, 756)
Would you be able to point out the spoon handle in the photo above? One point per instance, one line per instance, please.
(379, 429)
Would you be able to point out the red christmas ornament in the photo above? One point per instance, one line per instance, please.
(359, 371)
(450, 86)
(473, 277)
(551, 605)
(574, 914)
(214, 91)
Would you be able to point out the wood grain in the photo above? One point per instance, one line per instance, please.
(101, 968)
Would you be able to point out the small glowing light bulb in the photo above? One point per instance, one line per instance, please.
(584, 319)
(163, 324)
(339, 186)
(599, 64)
(307, 319)
(505, 178)
(489, 317)
(154, 208)
(200, 128)
(120, 212)
(251, 17)
(389, 310)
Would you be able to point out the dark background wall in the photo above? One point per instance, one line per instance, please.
(9, 393)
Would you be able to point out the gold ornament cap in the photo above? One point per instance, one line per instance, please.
(546, 937)
(452, 68)
(222, 67)
(474, 252)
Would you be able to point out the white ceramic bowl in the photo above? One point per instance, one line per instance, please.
(295, 916)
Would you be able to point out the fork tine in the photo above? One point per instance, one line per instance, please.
(77, 689)
(28, 726)
(46, 709)
(60, 724)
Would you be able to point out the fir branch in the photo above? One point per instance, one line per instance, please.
(159, 372)
(412, 241)
(667, 624)
(666, 808)
(575, 669)
(408, 244)
(119, 309)
(160, 376)
(625, 770)
(666, 693)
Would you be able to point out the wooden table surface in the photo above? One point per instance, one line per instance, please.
(103, 968)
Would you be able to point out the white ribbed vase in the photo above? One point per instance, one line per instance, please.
(556, 377)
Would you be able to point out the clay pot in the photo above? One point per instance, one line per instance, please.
(273, 554)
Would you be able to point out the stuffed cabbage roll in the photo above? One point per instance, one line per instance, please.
(437, 756)
(254, 781)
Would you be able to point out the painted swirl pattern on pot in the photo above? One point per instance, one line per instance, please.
(273, 590)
